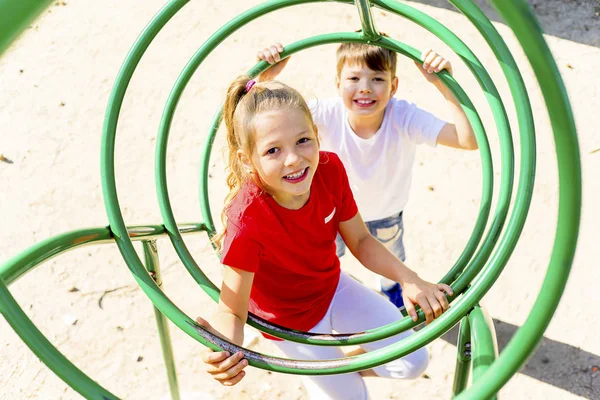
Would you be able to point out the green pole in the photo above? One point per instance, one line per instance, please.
(366, 20)
(483, 340)
(527, 30)
(153, 267)
(463, 357)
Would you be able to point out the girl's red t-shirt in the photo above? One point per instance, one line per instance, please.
(291, 252)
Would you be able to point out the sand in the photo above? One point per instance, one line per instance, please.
(55, 82)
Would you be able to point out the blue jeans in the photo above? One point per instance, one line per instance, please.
(389, 231)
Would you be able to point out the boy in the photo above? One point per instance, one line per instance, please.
(375, 135)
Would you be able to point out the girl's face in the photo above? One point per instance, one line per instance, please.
(285, 155)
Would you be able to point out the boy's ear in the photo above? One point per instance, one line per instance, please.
(394, 86)
(337, 82)
(245, 161)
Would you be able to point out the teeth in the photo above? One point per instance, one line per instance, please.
(295, 176)
(364, 101)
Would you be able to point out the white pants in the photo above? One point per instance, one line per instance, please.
(354, 308)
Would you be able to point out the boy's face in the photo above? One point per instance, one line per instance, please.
(366, 92)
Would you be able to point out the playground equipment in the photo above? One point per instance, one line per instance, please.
(471, 276)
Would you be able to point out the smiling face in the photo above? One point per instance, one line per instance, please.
(285, 155)
(366, 92)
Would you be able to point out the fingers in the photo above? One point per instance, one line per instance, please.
(227, 370)
(436, 306)
(235, 380)
(445, 288)
(441, 298)
(426, 307)
(220, 365)
(433, 62)
(271, 54)
(410, 309)
(211, 357)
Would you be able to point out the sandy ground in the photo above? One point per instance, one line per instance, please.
(54, 86)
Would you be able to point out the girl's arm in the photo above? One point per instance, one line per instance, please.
(377, 258)
(459, 135)
(229, 321)
(232, 310)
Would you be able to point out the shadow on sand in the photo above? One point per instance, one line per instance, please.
(555, 363)
(583, 26)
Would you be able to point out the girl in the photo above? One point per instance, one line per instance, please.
(286, 204)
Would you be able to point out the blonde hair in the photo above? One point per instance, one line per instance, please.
(375, 57)
(241, 106)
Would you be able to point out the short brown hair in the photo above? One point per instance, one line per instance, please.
(374, 57)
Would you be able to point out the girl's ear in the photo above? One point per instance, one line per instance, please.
(245, 161)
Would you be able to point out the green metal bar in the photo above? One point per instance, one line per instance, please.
(527, 30)
(15, 16)
(483, 341)
(361, 362)
(153, 267)
(43, 251)
(188, 260)
(186, 257)
(463, 357)
(522, 104)
(46, 352)
(366, 20)
(17, 266)
(487, 276)
(506, 146)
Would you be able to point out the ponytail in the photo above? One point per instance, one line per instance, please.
(246, 98)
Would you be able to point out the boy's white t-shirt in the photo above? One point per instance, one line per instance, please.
(379, 168)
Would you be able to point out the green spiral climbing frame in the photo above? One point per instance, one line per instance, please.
(471, 276)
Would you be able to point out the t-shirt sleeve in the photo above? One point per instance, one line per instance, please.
(325, 115)
(240, 248)
(318, 111)
(420, 125)
(348, 207)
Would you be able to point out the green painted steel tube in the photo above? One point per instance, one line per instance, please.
(569, 211)
(41, 252)
(15, 15)
(463, 357)
(366, 20)
(483, 342)
(426, 335)
(364, 361)
(188, 260)
(46, 352)
(527, 30)
(153, 267)
(17, 266)
(507, 153)
(479, 71)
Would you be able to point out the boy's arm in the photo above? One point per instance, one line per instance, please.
(459, 135)
(271, 55)
(377, 258)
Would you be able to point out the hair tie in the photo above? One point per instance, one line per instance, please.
(249, 85)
